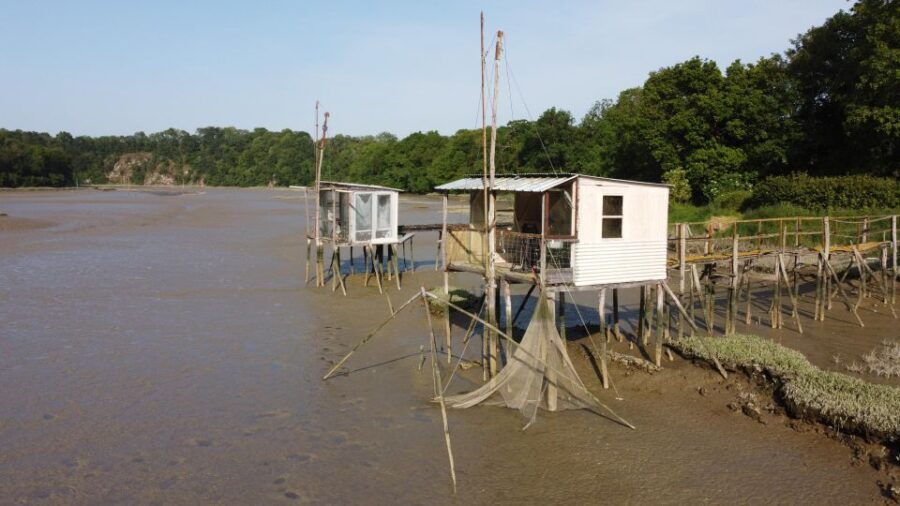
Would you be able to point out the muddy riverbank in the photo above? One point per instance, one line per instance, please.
(164, 349)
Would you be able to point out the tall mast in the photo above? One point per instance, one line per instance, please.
(484, 153)
(490, 273)
(316, 170)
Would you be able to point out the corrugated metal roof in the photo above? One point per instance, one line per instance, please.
(523, 183)
(355, 186)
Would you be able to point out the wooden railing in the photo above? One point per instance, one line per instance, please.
(720, 238)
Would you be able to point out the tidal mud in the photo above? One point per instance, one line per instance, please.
(165, 349)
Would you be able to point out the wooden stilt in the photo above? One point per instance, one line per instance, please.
(507, 311)
(682, 256)
(308, 258)
(604, 337)
(562, 315)
(642, 315)
(795, 310)
(680, 308)
(393, 248)
(749, 308)
(615, 309)
(841, 291)
(352, 266)
(657, 356)
(337, 272)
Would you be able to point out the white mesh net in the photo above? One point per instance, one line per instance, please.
(538, 375)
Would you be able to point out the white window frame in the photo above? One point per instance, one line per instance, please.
(392, 236)
(603, 216)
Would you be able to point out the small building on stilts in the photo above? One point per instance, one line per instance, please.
(358, 216)
(569, 233)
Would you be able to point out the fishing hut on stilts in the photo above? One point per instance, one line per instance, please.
(352, 216)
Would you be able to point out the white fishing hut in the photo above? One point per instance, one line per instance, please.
(575, 230)
(357, 214)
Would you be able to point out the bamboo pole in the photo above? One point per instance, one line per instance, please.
(680, 308)
(795, 310)
(507, 311)
(842, 292)
(439, 389)
(393, 249)
(369, 336)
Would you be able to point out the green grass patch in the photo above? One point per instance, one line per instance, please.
(459, 296)
(846, 403)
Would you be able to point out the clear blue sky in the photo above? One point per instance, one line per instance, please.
(96, 68)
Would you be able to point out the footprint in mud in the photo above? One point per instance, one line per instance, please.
(138, 460)
(204, 443)
(48, 416)
(292, 495)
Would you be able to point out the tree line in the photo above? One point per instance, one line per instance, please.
(829, 105)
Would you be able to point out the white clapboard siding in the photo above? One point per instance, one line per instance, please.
(618, 262)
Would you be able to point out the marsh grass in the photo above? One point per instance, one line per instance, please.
(459, 296)
(844, 402)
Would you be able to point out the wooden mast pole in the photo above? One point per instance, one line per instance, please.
(318, 196)
(491, 223)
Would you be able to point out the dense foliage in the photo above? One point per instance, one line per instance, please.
(829, 106)
(837, 192)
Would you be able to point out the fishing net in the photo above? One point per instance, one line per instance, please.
(538, 375)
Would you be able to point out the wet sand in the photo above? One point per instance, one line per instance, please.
(164, 349)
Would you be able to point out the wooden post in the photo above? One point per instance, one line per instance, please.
(657, 356)
(748, 269)
(682, 255)
(865, 230)
(894, 272)
(604, 337)
(601, 313)
(308, 255)
(615, 310)
(826, 251)
(841, 291)
(733, 288)
(393, 248)
(562, 315)
(797, 233)
(507, 313)
(642, 314)
(795, 310)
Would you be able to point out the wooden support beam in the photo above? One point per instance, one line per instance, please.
(615, 309)
(604, 337)
(841, 291)
(657, 355)
(795, 310)
(682, 256)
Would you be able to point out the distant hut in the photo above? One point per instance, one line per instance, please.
(358, 215)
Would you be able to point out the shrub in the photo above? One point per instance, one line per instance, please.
(825, 193)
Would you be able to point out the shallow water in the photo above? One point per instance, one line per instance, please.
(164, 349)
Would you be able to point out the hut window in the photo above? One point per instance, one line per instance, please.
(363, 211)
(384, 217)
(559, 215)
(612, 217)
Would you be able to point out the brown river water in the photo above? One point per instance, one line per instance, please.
(159, 349)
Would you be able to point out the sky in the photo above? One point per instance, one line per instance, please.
(115, 68)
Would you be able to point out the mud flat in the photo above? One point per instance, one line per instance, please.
(165, 349)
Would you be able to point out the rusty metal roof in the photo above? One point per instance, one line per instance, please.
(513, 183)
